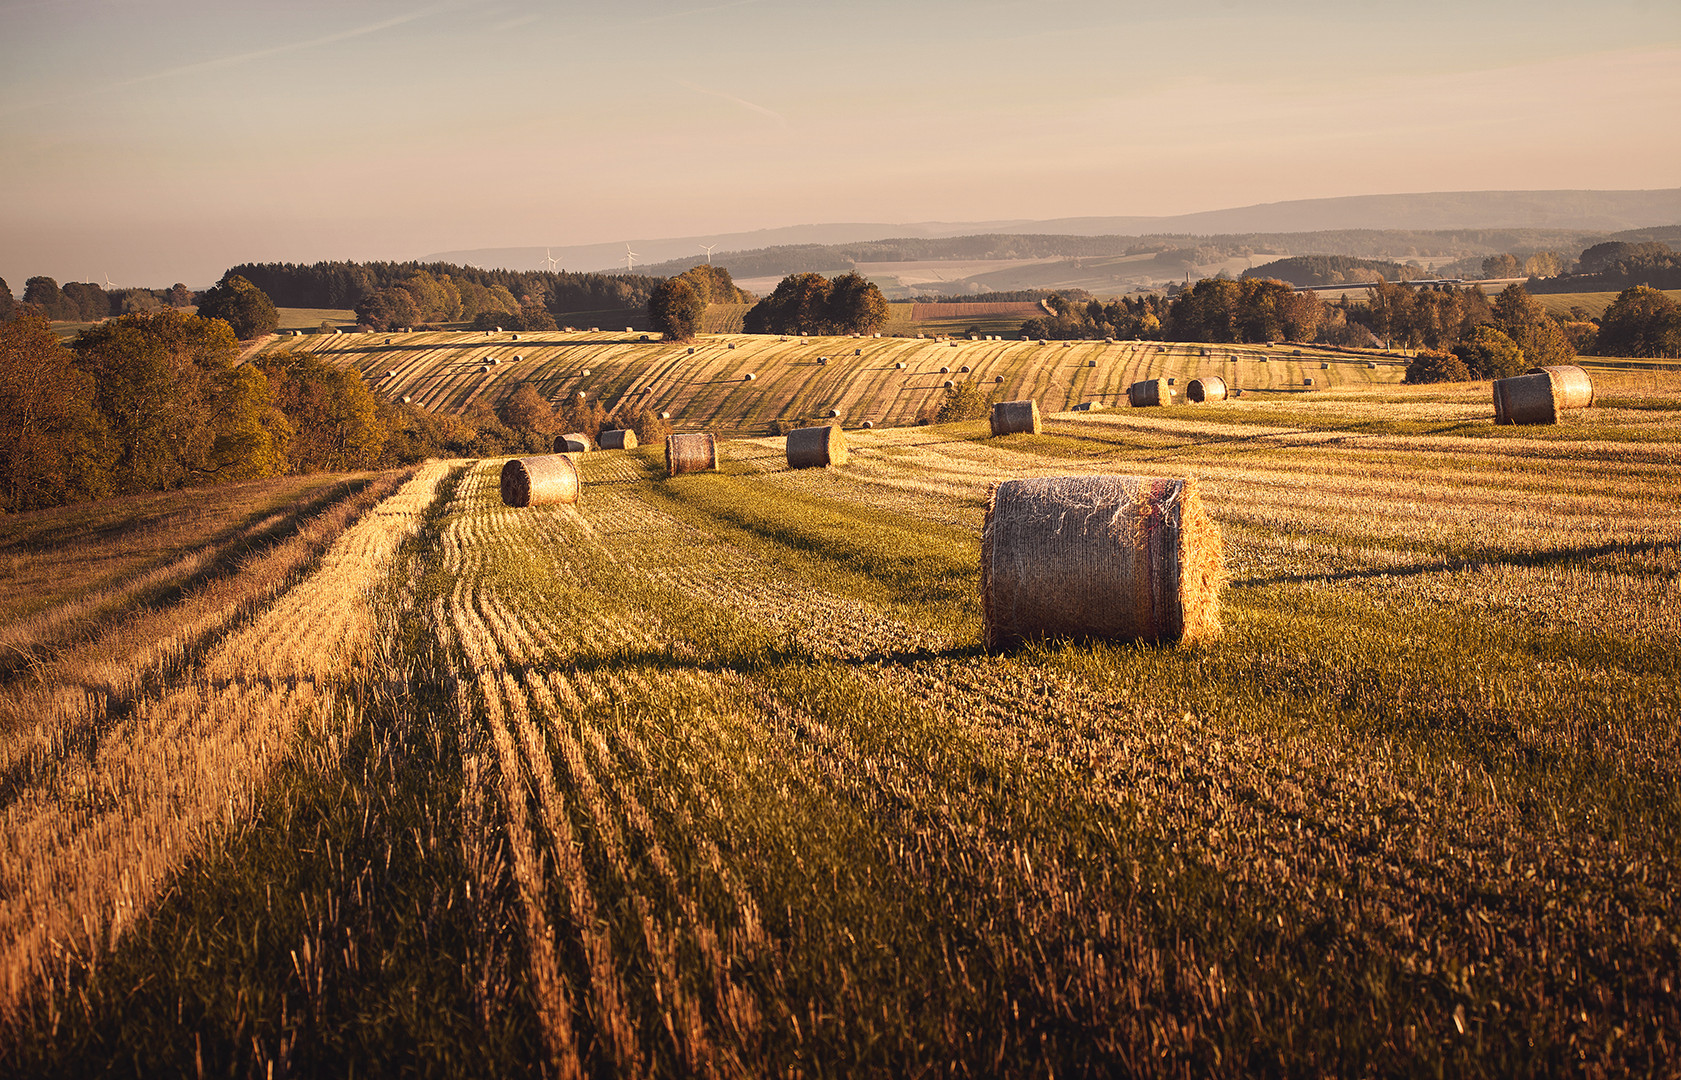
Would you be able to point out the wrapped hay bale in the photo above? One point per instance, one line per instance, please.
(1117, 557)
(1572, 388)
(1207, 388)
(574, 442)
(816, 447)
(1149, 392)
(1011, 417)
(540, 481)
(618, 439)
(1526, 399)
(690, 453)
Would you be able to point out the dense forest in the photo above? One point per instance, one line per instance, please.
(1303, 270)
(348, 284)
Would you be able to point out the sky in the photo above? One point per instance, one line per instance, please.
(152, 142)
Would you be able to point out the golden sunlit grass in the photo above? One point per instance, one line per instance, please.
(711, 776)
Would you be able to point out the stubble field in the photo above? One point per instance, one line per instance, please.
(711, 775)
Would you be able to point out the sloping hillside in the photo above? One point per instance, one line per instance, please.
(706, 385)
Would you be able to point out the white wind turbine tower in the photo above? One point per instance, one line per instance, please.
(109, 284)
(548, 257)
(708, 249)
(630, 260)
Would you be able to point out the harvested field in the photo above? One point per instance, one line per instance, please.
(710, 775)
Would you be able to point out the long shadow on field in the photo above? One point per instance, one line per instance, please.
(1532, 560)
(680, 658)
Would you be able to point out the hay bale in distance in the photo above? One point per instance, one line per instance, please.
(618, 439)
(1149, 392)
(822, 361)
(690, 453)
(1324, 366)
(998, 378)
(868, 424)
(1307, 382)
(1091, 363)
(833, 413)
(1115, 557)
(540, 481)
(665, 416)
(816, 447)
(945, 371)
(1207, 388)
(963, 367)
(900, 365)
(573, 442)
(1012, 417)
(1526, 399)
(948, 384)
(749, 377)
(1572, 388)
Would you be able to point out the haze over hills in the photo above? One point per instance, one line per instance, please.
(1598, 211)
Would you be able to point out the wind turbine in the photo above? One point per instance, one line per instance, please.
(630, 260)
(109, 284)
(549, 258)
(708, 249)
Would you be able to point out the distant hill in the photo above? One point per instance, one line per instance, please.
(1596, 212)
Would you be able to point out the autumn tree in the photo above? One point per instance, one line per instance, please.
(8, 303)
(529, 415)
(1490, 354)
(157, 376)
(856, 305)
(333, 414)
(1640, 322)
(241, 305)
(675, 309)
(388, 309)
(1521, 317)
(54, 447)
(44, 293)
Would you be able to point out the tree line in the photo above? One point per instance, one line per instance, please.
(83, 301)
(812, 304)
(157, 402)
(346, 284)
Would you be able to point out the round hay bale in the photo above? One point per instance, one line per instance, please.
(1149, 392)
(822, 361)
(516, 337)
(868, 424)
(1324, 366)
(573, 442)
(816, 447)
(1307, 382)
(1171, 380)
(484, 367)
(690, 453)
(407, 400)
(998, 378)
(1011, 417)
(1114, 557)
(963, 367)
(665, 416)
(540, 481)
(392, 374)
(948, 384)
(857, 352)
(1207, 388)
(900, 365)
(749, 377)
(1091, 363)
(585, 372)
(1526, 399)
(731, 345)
(945, 371)
(833, 413)
(1371, 366)
(1572, 388)
(618, 439)
(691, 350)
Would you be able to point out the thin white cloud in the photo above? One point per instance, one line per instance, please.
(686, 12)
(511, 24)
(743, 102)
(236, 59)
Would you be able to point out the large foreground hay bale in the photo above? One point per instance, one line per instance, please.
(1526, 399)
(1117, 557)
(1572, 388)
(1149, 392)
(618, 439)
(690, 453)
(573, 442)
(1207, 388)
(815, 447)
(540, 481)
(1012, 417)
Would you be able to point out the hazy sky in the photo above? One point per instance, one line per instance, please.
(164, 140)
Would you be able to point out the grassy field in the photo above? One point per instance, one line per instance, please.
(297, 318)
(1594, 303)
(704, 386)
(711, 776)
